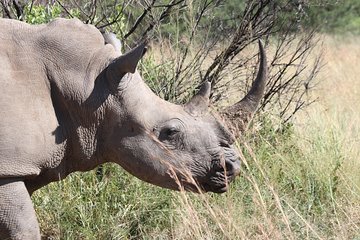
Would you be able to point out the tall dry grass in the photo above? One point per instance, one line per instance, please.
(330, 129)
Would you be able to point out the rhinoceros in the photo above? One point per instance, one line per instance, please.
(70, 100)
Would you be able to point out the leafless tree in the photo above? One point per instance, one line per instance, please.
(13, 9)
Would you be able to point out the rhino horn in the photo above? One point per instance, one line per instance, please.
(241, 112)
(199, 103)
(126, 63)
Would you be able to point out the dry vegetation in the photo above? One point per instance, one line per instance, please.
(330, 130)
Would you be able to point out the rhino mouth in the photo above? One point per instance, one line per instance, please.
(215, 189)
(224, 167)
(223, 171)
(218, 183)
(203, 187)
(215, 181)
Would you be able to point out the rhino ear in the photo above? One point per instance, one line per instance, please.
(199, 103)
(126, 63)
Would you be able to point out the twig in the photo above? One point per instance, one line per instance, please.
(65, 9)
(139, 19)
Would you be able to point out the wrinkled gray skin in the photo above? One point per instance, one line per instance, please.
(70, 102)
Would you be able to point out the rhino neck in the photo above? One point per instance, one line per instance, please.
(80, 110)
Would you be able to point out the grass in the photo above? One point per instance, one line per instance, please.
(303, 183)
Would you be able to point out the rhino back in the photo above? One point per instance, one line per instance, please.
(33, 60)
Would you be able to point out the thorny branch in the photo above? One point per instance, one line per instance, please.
(16, 12)
(167, 9)
(139, 19)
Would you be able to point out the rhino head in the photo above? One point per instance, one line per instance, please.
(174, 146)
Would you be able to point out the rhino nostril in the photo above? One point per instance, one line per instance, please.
(232, 167)
(229, 167)
(224, 144)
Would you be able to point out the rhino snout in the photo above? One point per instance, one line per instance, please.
(232, 168)
(222, 172)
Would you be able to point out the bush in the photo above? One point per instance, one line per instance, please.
(335, 16)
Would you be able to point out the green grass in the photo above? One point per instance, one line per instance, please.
(117, 205)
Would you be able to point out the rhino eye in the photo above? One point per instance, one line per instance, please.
(168, 133)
